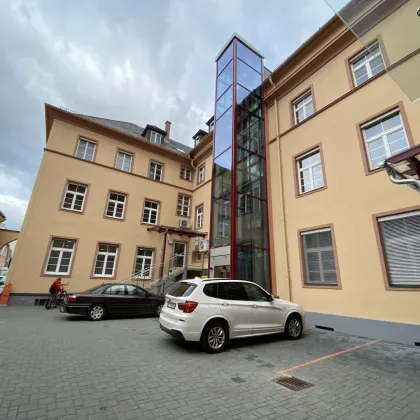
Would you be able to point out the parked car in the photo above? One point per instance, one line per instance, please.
(113, 299)
(213, 311)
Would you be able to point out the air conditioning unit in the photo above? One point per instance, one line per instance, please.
(185, 224)
(204, 246)
(196, 243)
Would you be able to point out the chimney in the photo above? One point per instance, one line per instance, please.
(167, 129)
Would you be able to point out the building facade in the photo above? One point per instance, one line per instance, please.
(341, 239)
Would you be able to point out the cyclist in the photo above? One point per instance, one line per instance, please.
(55, 290)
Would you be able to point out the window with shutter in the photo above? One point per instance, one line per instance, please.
(318, 256)
(400, 236)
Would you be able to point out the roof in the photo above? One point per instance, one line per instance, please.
(2, 216)
(154, 128)
(137, 131)
(200, 131)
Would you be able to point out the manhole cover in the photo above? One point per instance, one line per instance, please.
(295, 384)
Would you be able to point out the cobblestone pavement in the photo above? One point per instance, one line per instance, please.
(55, 366)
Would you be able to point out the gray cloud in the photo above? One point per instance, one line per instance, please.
(138, 61)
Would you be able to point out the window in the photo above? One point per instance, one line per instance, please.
(155, 137)
(309, 169)
(74, 197)
(255, 293)
(384, 137)
(116, 205)
(116, 289)
(135, 291)
(232, 291)
(400, 237)
(197, 256)
(185, 173)
(124, 161)
(60, 256)
(144, 260)
(210, 290)
(318, 255)
(184, 202)
(199, 212)
(303, 107)
(367, 64)
(150, 212)
(156, 171)
(182, 289)
(201, 174)
(86, 149)
(105, 260)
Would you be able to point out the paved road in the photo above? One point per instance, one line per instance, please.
(54, 366)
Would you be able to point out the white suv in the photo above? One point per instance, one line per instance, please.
(212, 311)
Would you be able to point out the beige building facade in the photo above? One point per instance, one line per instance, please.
(110, 197)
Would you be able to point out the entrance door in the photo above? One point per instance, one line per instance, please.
(179, 249)
(222, 272)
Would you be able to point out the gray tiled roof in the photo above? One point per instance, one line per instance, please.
(136, 131)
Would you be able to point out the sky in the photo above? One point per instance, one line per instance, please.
(139, 61)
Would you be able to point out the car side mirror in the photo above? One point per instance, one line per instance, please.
(270, 298)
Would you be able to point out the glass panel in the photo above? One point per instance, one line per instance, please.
(357, 63)
(221, 221)
(251, 223)
(223, 133)
(373, 130)
(225, 79)
(222, 173)
(249, 78)
(377, 65)
(249, 171)
(225, 58)
(253, 266)
(249, 133)
(391, 122)
(247, 100)
(224, 102)
(361, 75)
(245, 54)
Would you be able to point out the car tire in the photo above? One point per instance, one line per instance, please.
(158, 309)
(96, 312)
(215, 337)
(294, 327)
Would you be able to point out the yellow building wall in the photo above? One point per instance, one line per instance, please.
(349, 203)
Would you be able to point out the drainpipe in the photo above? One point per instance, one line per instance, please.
(282, 207)
(162, 263)
(413, 182)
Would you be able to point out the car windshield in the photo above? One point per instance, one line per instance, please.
(182, 289)
(92, 289)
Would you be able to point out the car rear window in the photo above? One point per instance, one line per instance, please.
(182, 289)
(210, 290)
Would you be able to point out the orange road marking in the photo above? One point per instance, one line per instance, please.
(329, 356)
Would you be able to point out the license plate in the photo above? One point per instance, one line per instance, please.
(171, 305)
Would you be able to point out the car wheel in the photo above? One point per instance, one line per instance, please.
(158, 309)
(215, 337)
(294, 327)
(96, 312)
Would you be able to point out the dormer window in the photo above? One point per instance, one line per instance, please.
(210, 124)
(198, 136)
(155, 137)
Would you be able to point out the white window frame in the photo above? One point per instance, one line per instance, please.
(107, 255)
(60, 256)
(310, 168)
(306, 98)
(367, 62)
(125, 156)
(116, 203)
(88, 143)
(383, 135)
(184, 203)
(319, 250)
(144, 258)
(153, 170)
(201, 174)
(196, 254)
(75, 195)
(199, 216)
(155, 137)
(150, 210)
(186, 173)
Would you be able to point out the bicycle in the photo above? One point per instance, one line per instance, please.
(59, 299)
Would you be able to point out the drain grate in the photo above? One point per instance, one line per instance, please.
(295, 384)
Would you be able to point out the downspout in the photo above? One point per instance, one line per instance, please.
(282, 207)
(414, 182)
(162, 262)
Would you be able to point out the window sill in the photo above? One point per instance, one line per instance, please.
(311, 192)
(148, 224)
(72, 211)
(56, 275)
(373, 171)
(322, 286)
(115, 218)
(403, 288)
(102, 277)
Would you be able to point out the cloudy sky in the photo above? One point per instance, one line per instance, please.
(133, 60)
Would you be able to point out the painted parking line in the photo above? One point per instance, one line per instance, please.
(311, 362)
